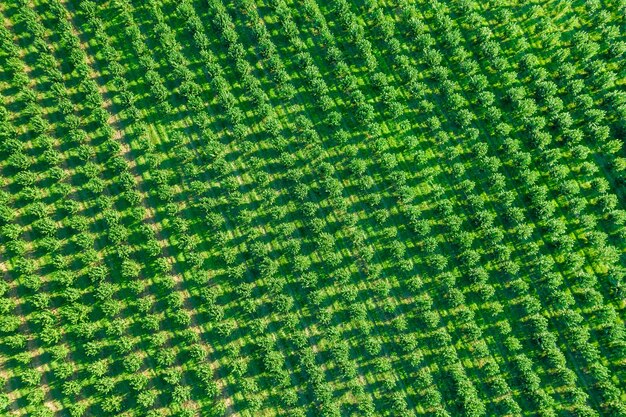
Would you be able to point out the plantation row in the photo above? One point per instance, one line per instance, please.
(367, 208)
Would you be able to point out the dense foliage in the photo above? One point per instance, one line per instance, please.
(313, 208)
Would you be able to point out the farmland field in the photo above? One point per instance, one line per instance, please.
(313, 208)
